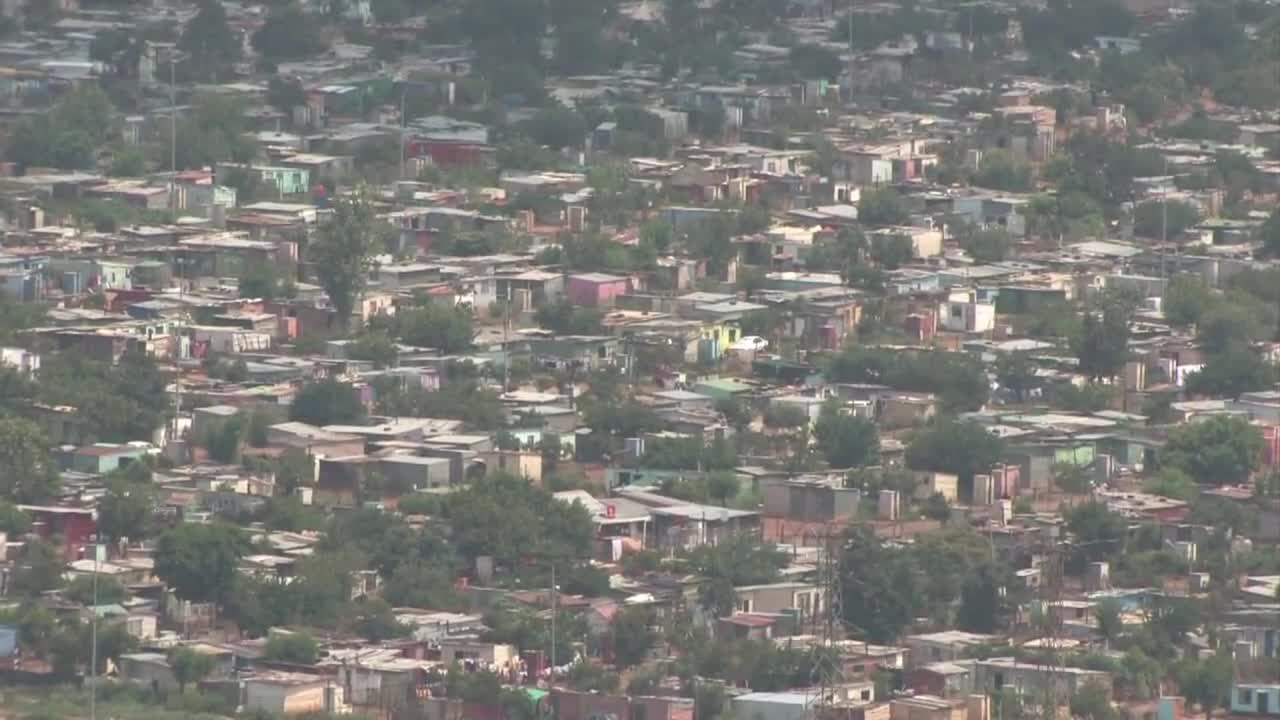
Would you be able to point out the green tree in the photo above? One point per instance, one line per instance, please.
(1110, 621)
(189, 666)
(982, 607)
(375, 347)
(289, 33)
(961, 447)
(68, 135)
(1186, 299)
(261, 281)
(1173, 483)
(633, 636)
(327, 402)
(1098, 530)
(13, 522)
(1231, 373)
(987, 246)
(1093, 702)
(883, 206)
(38, 571)
(1150, 220)
(1218, 450)
(1102, 345)
(447, 329)
(1269, 235)
(1001, 170)
(880, 586)
(211, 48)
(27, 473)
(294, 647)
(846, 440)
(109, 590)
(510, 519)
(343, 253)
(126, 510)
(1071, 478)
(376, 621)
(1016, 373)
(199, 561)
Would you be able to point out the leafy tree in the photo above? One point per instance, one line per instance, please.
(988, 245)
(261, 281)
(81, 590)
(1218, 450)
(189, 666)
(1016, 373)
(1110, 621)
(846, 440)
(422, 584)
(376, 621)
(717, 595)
(209, 44)
(982, 609)
(27, 473)
(883, 206)
(223, 438)
(39, 570)
(199, 561)
(891, 251)
(1093, 702)
(68, 135)
(375, 347)
(936, 507)
(289, 33)
(327, 402)
(564, 318)
(1186, 299)
(1269, 234)
(961, 447)
(814, 61)
(556, 127)
(13, 522)
(126, 510)
(1102, 344)
(880, 586)
(1071, 478)
(1098, 530)
(742, 560)
(1000, 170)
(343, 252)
(121, 402)
(633, 635)
(1150, 220)
(215, 131)
(510, 519)
(1231, 373)
(1172, 483)
(1207, 682)
(436, 326)
(958, 379)
(1086, 398)
(294, 647)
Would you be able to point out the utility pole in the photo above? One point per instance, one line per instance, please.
(552, 675)
(851, 58)
(1164, 220)
(173, 130)
(93, 644)
(403, 90)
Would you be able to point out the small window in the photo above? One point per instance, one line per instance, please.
(1246, 697)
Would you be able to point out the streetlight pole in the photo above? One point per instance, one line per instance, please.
(552, 675)
(93, 622)
(173, 130)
